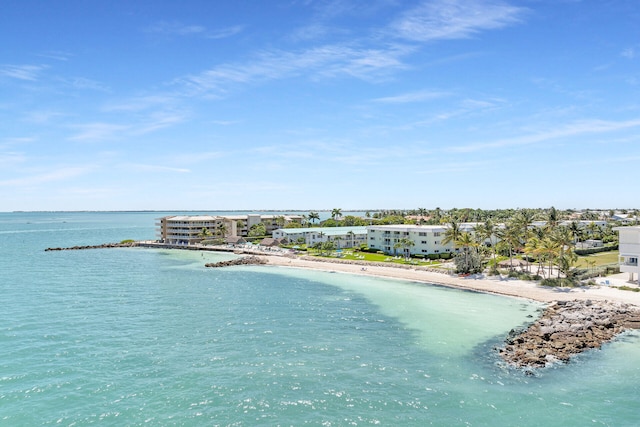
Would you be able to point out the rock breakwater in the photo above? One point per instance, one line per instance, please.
(248, 260)
(567, 328)
(102, 246)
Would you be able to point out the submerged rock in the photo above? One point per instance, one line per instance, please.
(567, 328)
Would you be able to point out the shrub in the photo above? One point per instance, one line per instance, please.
(124, 242)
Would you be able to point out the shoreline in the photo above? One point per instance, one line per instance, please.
(479, 283)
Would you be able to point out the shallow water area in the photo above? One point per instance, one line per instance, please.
(152, 337)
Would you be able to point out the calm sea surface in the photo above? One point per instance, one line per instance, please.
(151, 337)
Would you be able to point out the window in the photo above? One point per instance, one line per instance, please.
(436, 251)
(436, 234)
(436, 242)
(422, 234)
(424, 242)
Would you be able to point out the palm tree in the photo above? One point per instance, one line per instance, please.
(466, 241)
(405, 244)
(335, 213)
(533, 248)
(204, 233)
(564, 239)
(574, 227)
(452, 233)
(313, 216)
(337, 239)
(487, 230)
(512, 238)
(549, 250)
(221, 230)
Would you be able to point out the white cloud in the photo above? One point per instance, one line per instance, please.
(152, 168)
(57, 175)
(454, 19)
(176, 28)
(179, 29)
(585, 127)
(423, 95)
(323, 61)
(97, 131)
(22, 72)
(629, 53)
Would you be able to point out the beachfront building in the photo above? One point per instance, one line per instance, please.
(426, 239)
(187, 229)
(342, 237)
(629, 249)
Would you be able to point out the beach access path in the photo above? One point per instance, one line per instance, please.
(481, 283)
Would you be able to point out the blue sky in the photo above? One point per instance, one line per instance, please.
(303, 104)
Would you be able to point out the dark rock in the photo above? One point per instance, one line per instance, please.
(249, 260)
(567, 328)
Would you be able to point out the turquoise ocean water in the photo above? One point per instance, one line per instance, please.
(150, 337)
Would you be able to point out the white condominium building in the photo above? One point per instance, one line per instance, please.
(187, 229)
(629, 249)
(427, 239)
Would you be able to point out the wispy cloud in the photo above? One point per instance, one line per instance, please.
(585, 127)
(22, 72)
(454, 19)
(97, 131)
(180, 29)
(223, 33)
(58, 55)
(175, 28)
(629, 53)
(83, 83)
(11, 158)
(324, 61)
(152, 168)
(57, 175)
(156, 121)
(423, 95)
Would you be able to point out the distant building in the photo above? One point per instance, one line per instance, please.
(187, 229)
(629, 249)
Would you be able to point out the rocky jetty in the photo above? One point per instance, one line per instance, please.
(102, 246)
(567, 328)
(248, 260)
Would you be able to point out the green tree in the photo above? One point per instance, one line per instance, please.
(204, 233)
(258, 230)
(221, 230)
(452, 233)
(405, 244)
(336, 213)
(314, 216)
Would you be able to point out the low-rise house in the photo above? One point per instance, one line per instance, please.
(235, 240)
(270, 242)
(629, 249)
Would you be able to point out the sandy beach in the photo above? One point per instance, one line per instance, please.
(480, 283)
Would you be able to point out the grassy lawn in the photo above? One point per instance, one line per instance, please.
(601, 258)
(366, 256)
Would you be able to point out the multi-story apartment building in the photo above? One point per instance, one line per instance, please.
(187, 229)
(629, 249)
(427, 239)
